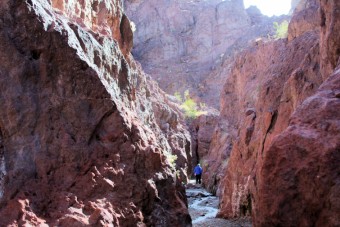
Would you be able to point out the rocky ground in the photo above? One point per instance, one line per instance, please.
(203, 208)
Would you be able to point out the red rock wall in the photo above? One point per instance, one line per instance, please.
(298, 183)
(267, 79)
(247, 75)
(285, 141)
(265, 90)
(79, 141)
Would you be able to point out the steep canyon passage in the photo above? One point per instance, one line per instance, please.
(108, 106)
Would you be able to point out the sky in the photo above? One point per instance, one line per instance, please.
(270, 7)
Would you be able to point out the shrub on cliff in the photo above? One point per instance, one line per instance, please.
(189, 106)
(281, 30)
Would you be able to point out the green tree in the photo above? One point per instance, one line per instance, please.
(189, 106)
(281, 30)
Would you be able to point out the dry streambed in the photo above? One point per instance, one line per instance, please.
(203, 208)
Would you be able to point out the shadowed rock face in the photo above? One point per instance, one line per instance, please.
(283, 128)
(183, 43)
(79, 141)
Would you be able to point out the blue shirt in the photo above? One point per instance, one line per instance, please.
(198, 170)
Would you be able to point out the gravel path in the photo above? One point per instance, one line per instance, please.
(203, 208)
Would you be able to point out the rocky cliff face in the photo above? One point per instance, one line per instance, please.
(257, 82)
(179, 43)
(281, 129)
(265, 80)
(303, 160)
(80, 144)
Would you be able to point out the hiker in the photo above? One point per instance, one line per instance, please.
(198, 173)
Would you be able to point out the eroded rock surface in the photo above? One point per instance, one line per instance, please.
(79, 141)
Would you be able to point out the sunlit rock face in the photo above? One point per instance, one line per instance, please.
(280, 111)
(81, 142)
(182, 44)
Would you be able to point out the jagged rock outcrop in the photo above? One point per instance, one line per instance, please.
(282, 169)
(179, 43)
(80, 144)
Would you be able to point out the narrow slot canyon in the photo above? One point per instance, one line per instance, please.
(170, 113)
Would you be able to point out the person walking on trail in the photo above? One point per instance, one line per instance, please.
(198, 173)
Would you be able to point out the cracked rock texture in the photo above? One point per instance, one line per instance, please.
(279, 116)
(82, 136)
(183, 43)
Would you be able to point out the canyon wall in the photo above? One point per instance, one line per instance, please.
(254, 85)
(85, 140)
(280, 125)
(299, 179)
(179, 43)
